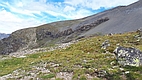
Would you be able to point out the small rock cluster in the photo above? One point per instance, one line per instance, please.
(65, 75)
(128, 56)
(105, 44)
(139, 36)
(34, 73)
(62, 46)
(22, 54)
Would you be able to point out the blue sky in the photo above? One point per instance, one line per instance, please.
(18, 14)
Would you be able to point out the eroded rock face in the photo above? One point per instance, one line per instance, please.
(43, 33)
(64, 33)
(81, 29)
(42, 36)
(19, 40)
(128, 56)
(87, 27)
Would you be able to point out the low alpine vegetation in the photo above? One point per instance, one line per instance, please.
(87, 59)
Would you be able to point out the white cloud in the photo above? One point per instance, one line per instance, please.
(9, 22)
(9, 26)
(69, 8)
(20, 4)
(79, 14)
(7, 16)
(96, 4)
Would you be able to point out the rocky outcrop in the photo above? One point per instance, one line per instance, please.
(9, 45)
(87, 27)
(43, 33)
(83, 28)
(128, 56)
(19, 40)
(46, 33)
(64, 33)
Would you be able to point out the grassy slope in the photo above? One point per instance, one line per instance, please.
(84, 57)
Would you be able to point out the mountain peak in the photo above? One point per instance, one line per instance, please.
(118, 20)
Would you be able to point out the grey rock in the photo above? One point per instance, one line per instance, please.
(128, 56)
(140, 31)
(105, 44)
(101, 73)
(65, 75)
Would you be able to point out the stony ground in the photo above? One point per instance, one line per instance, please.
(36, 69)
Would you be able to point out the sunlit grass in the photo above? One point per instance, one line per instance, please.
(80, 58)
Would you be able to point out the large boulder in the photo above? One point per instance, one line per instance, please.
(128, 56)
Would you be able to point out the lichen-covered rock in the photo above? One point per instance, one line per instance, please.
(128, 56)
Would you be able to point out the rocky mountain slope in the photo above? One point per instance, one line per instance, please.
(3, 35)
(117, 20)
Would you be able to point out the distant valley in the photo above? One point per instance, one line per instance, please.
(3, 35)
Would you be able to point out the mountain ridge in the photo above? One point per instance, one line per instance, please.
(117, 20)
